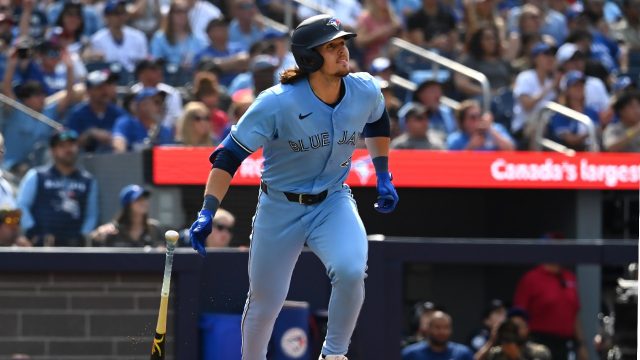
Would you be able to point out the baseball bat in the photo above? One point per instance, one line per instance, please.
(157, 349)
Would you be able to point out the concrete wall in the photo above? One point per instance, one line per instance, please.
(69, 316)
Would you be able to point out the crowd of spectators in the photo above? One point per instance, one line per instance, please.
(125, 75)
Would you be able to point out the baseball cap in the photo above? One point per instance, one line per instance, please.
(541, 48)
(148, 92)
(61, 136)
(570, 78)
(410, 109)
(380, 64)
(99, 77)
(112, 6)
(568, 51)
(264, 62)
(621, 83)
(131, 193)
(274, 34)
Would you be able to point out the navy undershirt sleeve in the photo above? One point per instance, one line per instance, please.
(378, 128)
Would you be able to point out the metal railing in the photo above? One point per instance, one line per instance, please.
(451, 65)
(5, 100)
(411, 86)
(543, 118)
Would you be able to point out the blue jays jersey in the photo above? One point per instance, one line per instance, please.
(307, 144)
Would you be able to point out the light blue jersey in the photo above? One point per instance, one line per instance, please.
(295, 127)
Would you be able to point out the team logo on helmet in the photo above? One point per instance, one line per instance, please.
(334, 22)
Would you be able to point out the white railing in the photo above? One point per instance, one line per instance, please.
(539, 141)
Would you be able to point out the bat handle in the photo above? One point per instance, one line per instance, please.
(168, 265)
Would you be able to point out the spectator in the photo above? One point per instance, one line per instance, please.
(627, 30)
(417, 134)
(244, 29)
(377, 23)
(552, 22)
(7, 184)
(175, 43)
(280, 42)
(222, 230)
(437, 346)
(421, 318)
(484, 54)
(94, 118)
(477, 131)
(512, 344)
(145, 127)
(345, 10)
(260, 76)
(194, 127)
(200, 14)
(441, 118)
(72, 15)
(433, 26)
(6, 39)
(209, 94)
(532, 89)
(33, 22)
(24, 135)
(494, 314)
(240, 102)
(570, 58)
(53, 59)
(10, 228)
(132, 226)
(624, 135)
(118, 43)
(565, 130)
(231, 58)
(146, 15)
(59, 202)
(483, 14)
(548, 293)
(150, 75)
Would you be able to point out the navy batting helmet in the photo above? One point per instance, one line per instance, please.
(311, 33)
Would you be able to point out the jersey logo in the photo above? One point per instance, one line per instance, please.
(301, 117)
(334, 22)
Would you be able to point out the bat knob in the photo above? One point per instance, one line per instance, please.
(171, 236)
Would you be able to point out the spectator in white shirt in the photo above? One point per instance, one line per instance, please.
(200, 13)
(118, 42)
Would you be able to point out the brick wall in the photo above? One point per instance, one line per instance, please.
(71, 316)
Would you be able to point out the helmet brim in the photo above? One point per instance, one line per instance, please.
(340, 34)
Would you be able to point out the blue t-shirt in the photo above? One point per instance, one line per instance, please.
(132, 130)
(560, 124)
(245, 40)
(32, 71)
(422, 351)
(24, 134)
(307, 144)
(82, 117)
(459, 139)
(210, 52)
(180, 53)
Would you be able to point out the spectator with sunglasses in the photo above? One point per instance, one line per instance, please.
(10, 234)
(222, 231)
(478, 131)
(194, 126)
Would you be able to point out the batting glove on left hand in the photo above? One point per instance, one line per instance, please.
(199, 231)
(387, 195)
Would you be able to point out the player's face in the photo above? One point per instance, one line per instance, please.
(336, 57)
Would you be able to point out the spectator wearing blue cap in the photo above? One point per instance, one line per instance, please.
(94, 118)
(118, 43)
(144, 128)
(565, 130)
(230, 57)
(59, 202)
(533, 88)
(175, 42)
(132, 226)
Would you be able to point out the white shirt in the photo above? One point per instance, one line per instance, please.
(527, 83)
(173, 103)
(132, 49)
(200, 15)
(7, 195)
(595, 93)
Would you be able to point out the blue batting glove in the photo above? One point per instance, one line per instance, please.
(387, 195)
(199, 231)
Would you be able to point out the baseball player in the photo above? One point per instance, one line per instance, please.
(308, 126)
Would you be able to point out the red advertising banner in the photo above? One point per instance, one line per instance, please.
(435, 169)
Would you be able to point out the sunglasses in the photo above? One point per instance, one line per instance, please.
(221, 227)
(11, 217)
(199, 118)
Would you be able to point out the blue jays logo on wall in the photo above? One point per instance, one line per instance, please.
(334, 22)
(294, 342)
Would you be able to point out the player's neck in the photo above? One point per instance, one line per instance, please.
(326, 87)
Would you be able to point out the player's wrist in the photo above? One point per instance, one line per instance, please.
(210, 203)
(381, 165)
